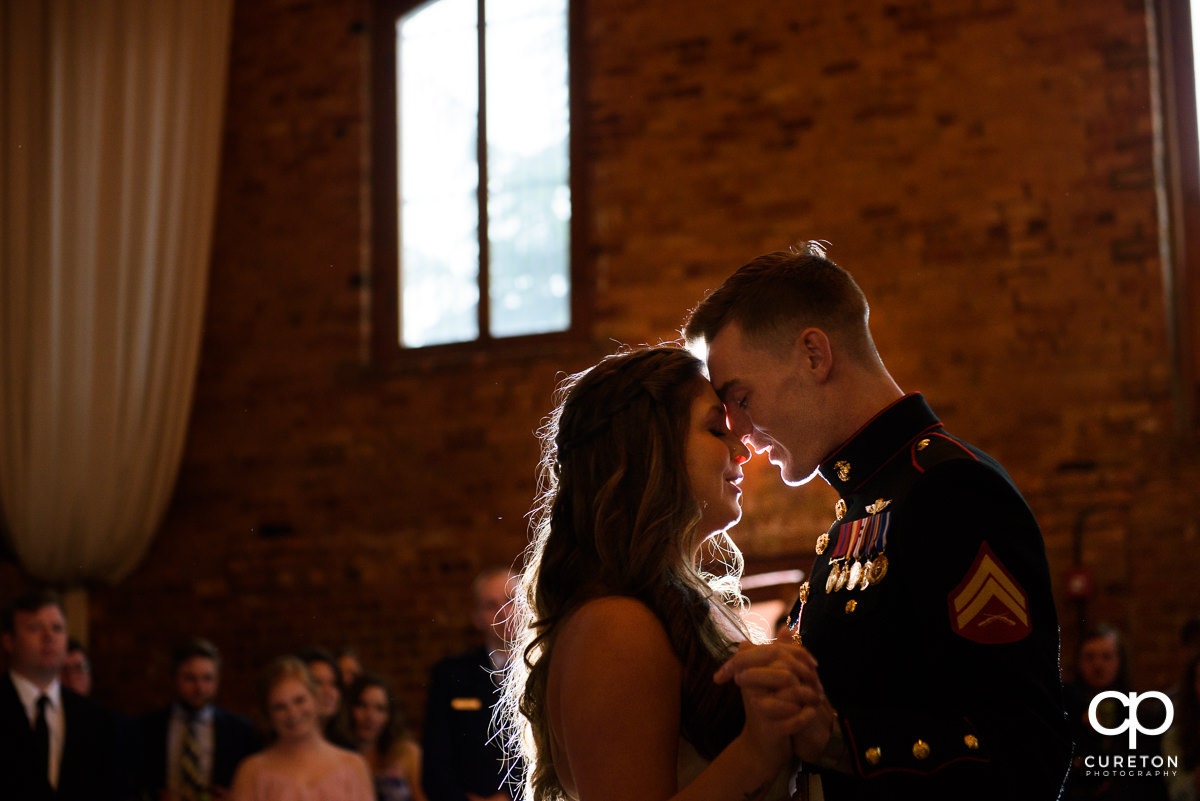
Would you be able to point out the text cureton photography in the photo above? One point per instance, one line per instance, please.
(1132, 764)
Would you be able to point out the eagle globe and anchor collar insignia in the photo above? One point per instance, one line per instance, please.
(843, 470)
(852, 464)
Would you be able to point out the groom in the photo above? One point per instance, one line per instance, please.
(929, 608)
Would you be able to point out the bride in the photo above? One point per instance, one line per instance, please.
(621, 633)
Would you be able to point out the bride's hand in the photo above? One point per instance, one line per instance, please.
(781, 693)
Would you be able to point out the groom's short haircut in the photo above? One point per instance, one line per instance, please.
(777, 295)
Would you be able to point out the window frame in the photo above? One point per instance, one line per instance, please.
(384, 297)
(1179, 166)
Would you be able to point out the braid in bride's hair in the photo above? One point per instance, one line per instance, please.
(614, 516)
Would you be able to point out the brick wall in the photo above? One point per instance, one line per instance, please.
(984, 168)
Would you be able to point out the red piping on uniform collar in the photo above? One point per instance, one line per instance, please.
(918, 435)
(861, 428)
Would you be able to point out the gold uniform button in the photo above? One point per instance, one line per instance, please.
(921, 749)
(839, 509)
(873, 756)
(972, 742)
(851, 605)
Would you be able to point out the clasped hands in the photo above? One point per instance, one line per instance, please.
(784, 700)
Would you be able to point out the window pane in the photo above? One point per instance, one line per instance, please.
(437, 76)
(529, 202)
(1195, 9)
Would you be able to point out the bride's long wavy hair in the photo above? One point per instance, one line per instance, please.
(615, 515)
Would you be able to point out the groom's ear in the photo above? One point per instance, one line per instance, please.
(813, 352)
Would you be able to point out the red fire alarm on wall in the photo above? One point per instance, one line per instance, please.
(1079, 582)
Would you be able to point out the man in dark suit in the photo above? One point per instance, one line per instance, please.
(193, 747)
(54, 744)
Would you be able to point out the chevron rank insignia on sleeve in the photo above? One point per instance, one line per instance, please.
(988, 606)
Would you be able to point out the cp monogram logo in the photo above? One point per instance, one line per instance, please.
(1131, 700)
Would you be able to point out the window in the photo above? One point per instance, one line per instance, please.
(1177, 27)
(472, 201)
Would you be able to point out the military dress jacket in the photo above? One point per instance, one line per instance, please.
(930, 614)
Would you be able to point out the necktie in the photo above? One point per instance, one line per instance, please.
(41, 740)
(191, 783)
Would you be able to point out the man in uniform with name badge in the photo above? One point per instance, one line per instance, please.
(928, 610)
(463, 759)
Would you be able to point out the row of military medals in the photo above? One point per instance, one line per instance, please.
(866, 537)
(863, 541)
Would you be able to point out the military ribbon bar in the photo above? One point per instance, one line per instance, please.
(848, 534)
(863, 537)
(877, 542)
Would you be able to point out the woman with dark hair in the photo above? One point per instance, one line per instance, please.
(377, 728)
(620, 632)
(327, 675)
(1182, 740)
(300, 764)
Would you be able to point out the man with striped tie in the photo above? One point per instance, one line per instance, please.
(193, 746)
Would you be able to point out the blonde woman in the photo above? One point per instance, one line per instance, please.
(299, 765)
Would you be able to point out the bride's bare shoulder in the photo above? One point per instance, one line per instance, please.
(614, 624)
(608, 611)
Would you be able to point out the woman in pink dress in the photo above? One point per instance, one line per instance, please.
(300, 765)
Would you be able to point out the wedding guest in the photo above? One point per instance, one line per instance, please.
(54, 743)
(1102, 665)
(328, 679)
(77, 670)
(1188, 649)
(377, 728)
(462, 757)
(192, 746)
(1182, 740)
(349, 665)
(299, 764)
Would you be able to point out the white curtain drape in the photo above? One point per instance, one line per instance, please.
(110, 129)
